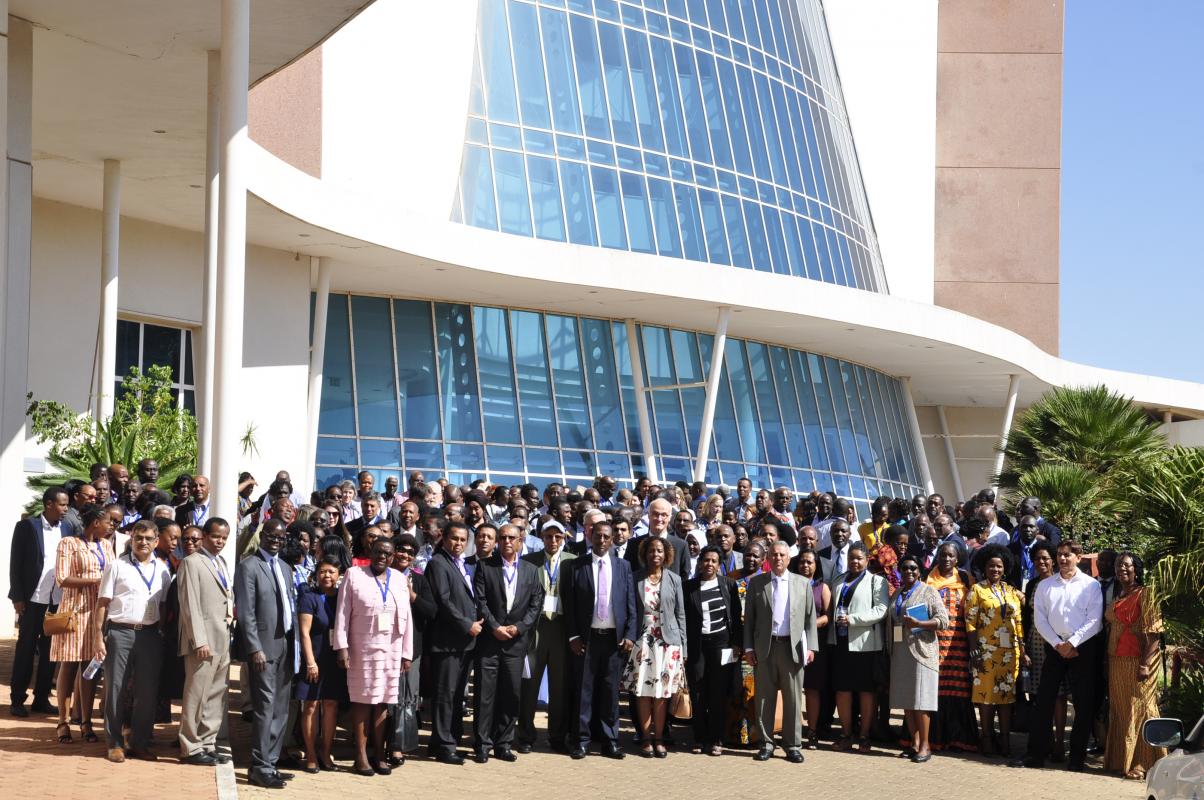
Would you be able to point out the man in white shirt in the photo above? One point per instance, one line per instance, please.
(132, 589)
(33, 592)
(1068, 610)
(995, 534)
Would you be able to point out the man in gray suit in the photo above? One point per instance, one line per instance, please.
(266, 600)
(779, 640)
(206, 610)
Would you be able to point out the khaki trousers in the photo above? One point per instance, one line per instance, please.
(204, 702)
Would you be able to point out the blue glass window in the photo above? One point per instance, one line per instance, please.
(476, 188)
(566, 114)
(635, 212)
(712, 224)
(712, 97)
(757, 239)
(537, 414)
(568, 383)
(545, 198)
(528, 65)
(457, 372)
(618, 89)
(337, 414)
(589, 76)
(664, 218)
(610, 208)
(691, 93)
(667, 95)
(332, 450)
(689, 222)
(380, 453)
(498, 406)
(512, 192)
(746, 413)
(579, 207)
(416, 371)
(733, 222)
(658, 368)
(495, 61)
(376, 396)
(689, 370)
(602, 378)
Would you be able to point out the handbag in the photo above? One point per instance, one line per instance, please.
(405, 720)
(680, 705)
(59, 622)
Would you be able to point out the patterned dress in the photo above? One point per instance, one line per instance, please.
(77, 558)
(655, 668)
(741, 712)
(993, 612)
(1130, 701)
(953, 726)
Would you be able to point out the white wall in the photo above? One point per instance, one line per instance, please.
(395, 101)
(974, 432)
(886, 55)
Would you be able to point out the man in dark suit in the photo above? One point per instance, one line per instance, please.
(600, 607)
(946, 531)
(33, 591)
(370, 515)
(450, 638)
(265, 597)
(660, 512)
(196, 510)
(837, 553)
(1031, 506)
(509, 598)
(714, 640)
(550, 648)
(808, 539)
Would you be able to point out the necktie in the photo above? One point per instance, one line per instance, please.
(779, 603)
(928, 560)
(839, 567)
(602, 595)
(285, 600)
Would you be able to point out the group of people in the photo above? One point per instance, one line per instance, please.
(746, 614)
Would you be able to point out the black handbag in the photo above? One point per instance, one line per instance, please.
(405, 720)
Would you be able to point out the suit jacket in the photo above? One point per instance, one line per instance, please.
(489, 586)
(758, 615)
(672, 607)
(455, 608)
(539, 559)
(422, 608)
(577, 598)
(261, 606)
(205, 605)
(867, 608)
(27, 558)
(681, 554)
(828, 563)
(730, 592)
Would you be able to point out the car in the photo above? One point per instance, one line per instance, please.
(1179, 775)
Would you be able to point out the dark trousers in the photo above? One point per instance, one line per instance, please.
(551, 652)
(596, 676)
(499, 686)
(450, 673)
(133, 664)
(270, 693)
(32, 643)
(1083, 670)
(710, 689)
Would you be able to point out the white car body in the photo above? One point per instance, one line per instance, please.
(1180, 774)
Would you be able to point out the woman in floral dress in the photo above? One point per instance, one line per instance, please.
(657, 669)
(996, 638)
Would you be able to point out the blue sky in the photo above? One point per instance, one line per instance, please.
(1133, 186)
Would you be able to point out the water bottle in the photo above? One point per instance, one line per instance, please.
(94, 667)
(842, 628)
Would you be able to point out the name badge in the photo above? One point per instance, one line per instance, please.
(1005, 637)
(551, 604)
(896, 633)
(384, 622)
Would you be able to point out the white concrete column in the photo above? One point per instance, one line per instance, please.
(917, 442)
(641, 401)
(16, 222)
(1167, 417)
(207, 346)
(957, 477)
(226, 414)
(110, 257)
(708, 406)
(317, 360)
(1009, 410)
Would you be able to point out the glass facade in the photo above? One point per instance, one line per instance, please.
(711, 130)
(513, 395)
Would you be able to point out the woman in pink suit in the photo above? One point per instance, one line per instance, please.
(374, 640)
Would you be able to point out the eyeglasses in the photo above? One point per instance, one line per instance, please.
(193, 539)
(406, 551)
(507, 538)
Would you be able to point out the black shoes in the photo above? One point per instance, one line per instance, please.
(270, 781)
(522, 747)
(220, 758)
(916, 758)
(43, 707)
(453, 758)
(1028, 762)
(764, 754)
(18, 710)
(612, 750)
(577, 753)
(480, 757)
(505, 754)
(201, 759)
(794, 755)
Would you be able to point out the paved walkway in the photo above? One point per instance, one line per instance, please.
(34, 765)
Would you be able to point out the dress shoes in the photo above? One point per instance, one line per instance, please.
(577, 753)
(201, 759)
(480, 757)
(220, 758)
(504, 754)
(916, 758)
(764, 754)
(115, 754)
(284, 776)
(1028, 762)
(453, 758)
(142, 754)
(269, 780)
(558, 747)
(612, 750)
(43, 707)
(522, 747)
(794, 755)
(18, 710)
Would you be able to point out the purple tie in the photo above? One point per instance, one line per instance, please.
(602, 595)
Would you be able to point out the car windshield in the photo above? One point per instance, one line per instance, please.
(1197, 733)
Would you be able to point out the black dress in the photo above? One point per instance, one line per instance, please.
(332, 679)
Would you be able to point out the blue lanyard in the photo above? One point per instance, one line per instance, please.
(901, 598)
(728, 565)
(848, 588)
(154, 571)
(384, 590)
(100, 555)
(221, 576)
(552, 574)
(510, 574)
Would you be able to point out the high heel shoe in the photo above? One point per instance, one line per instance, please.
(86, 731)
(659, 749)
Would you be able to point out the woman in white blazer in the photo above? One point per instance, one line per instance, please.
(859, 606)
